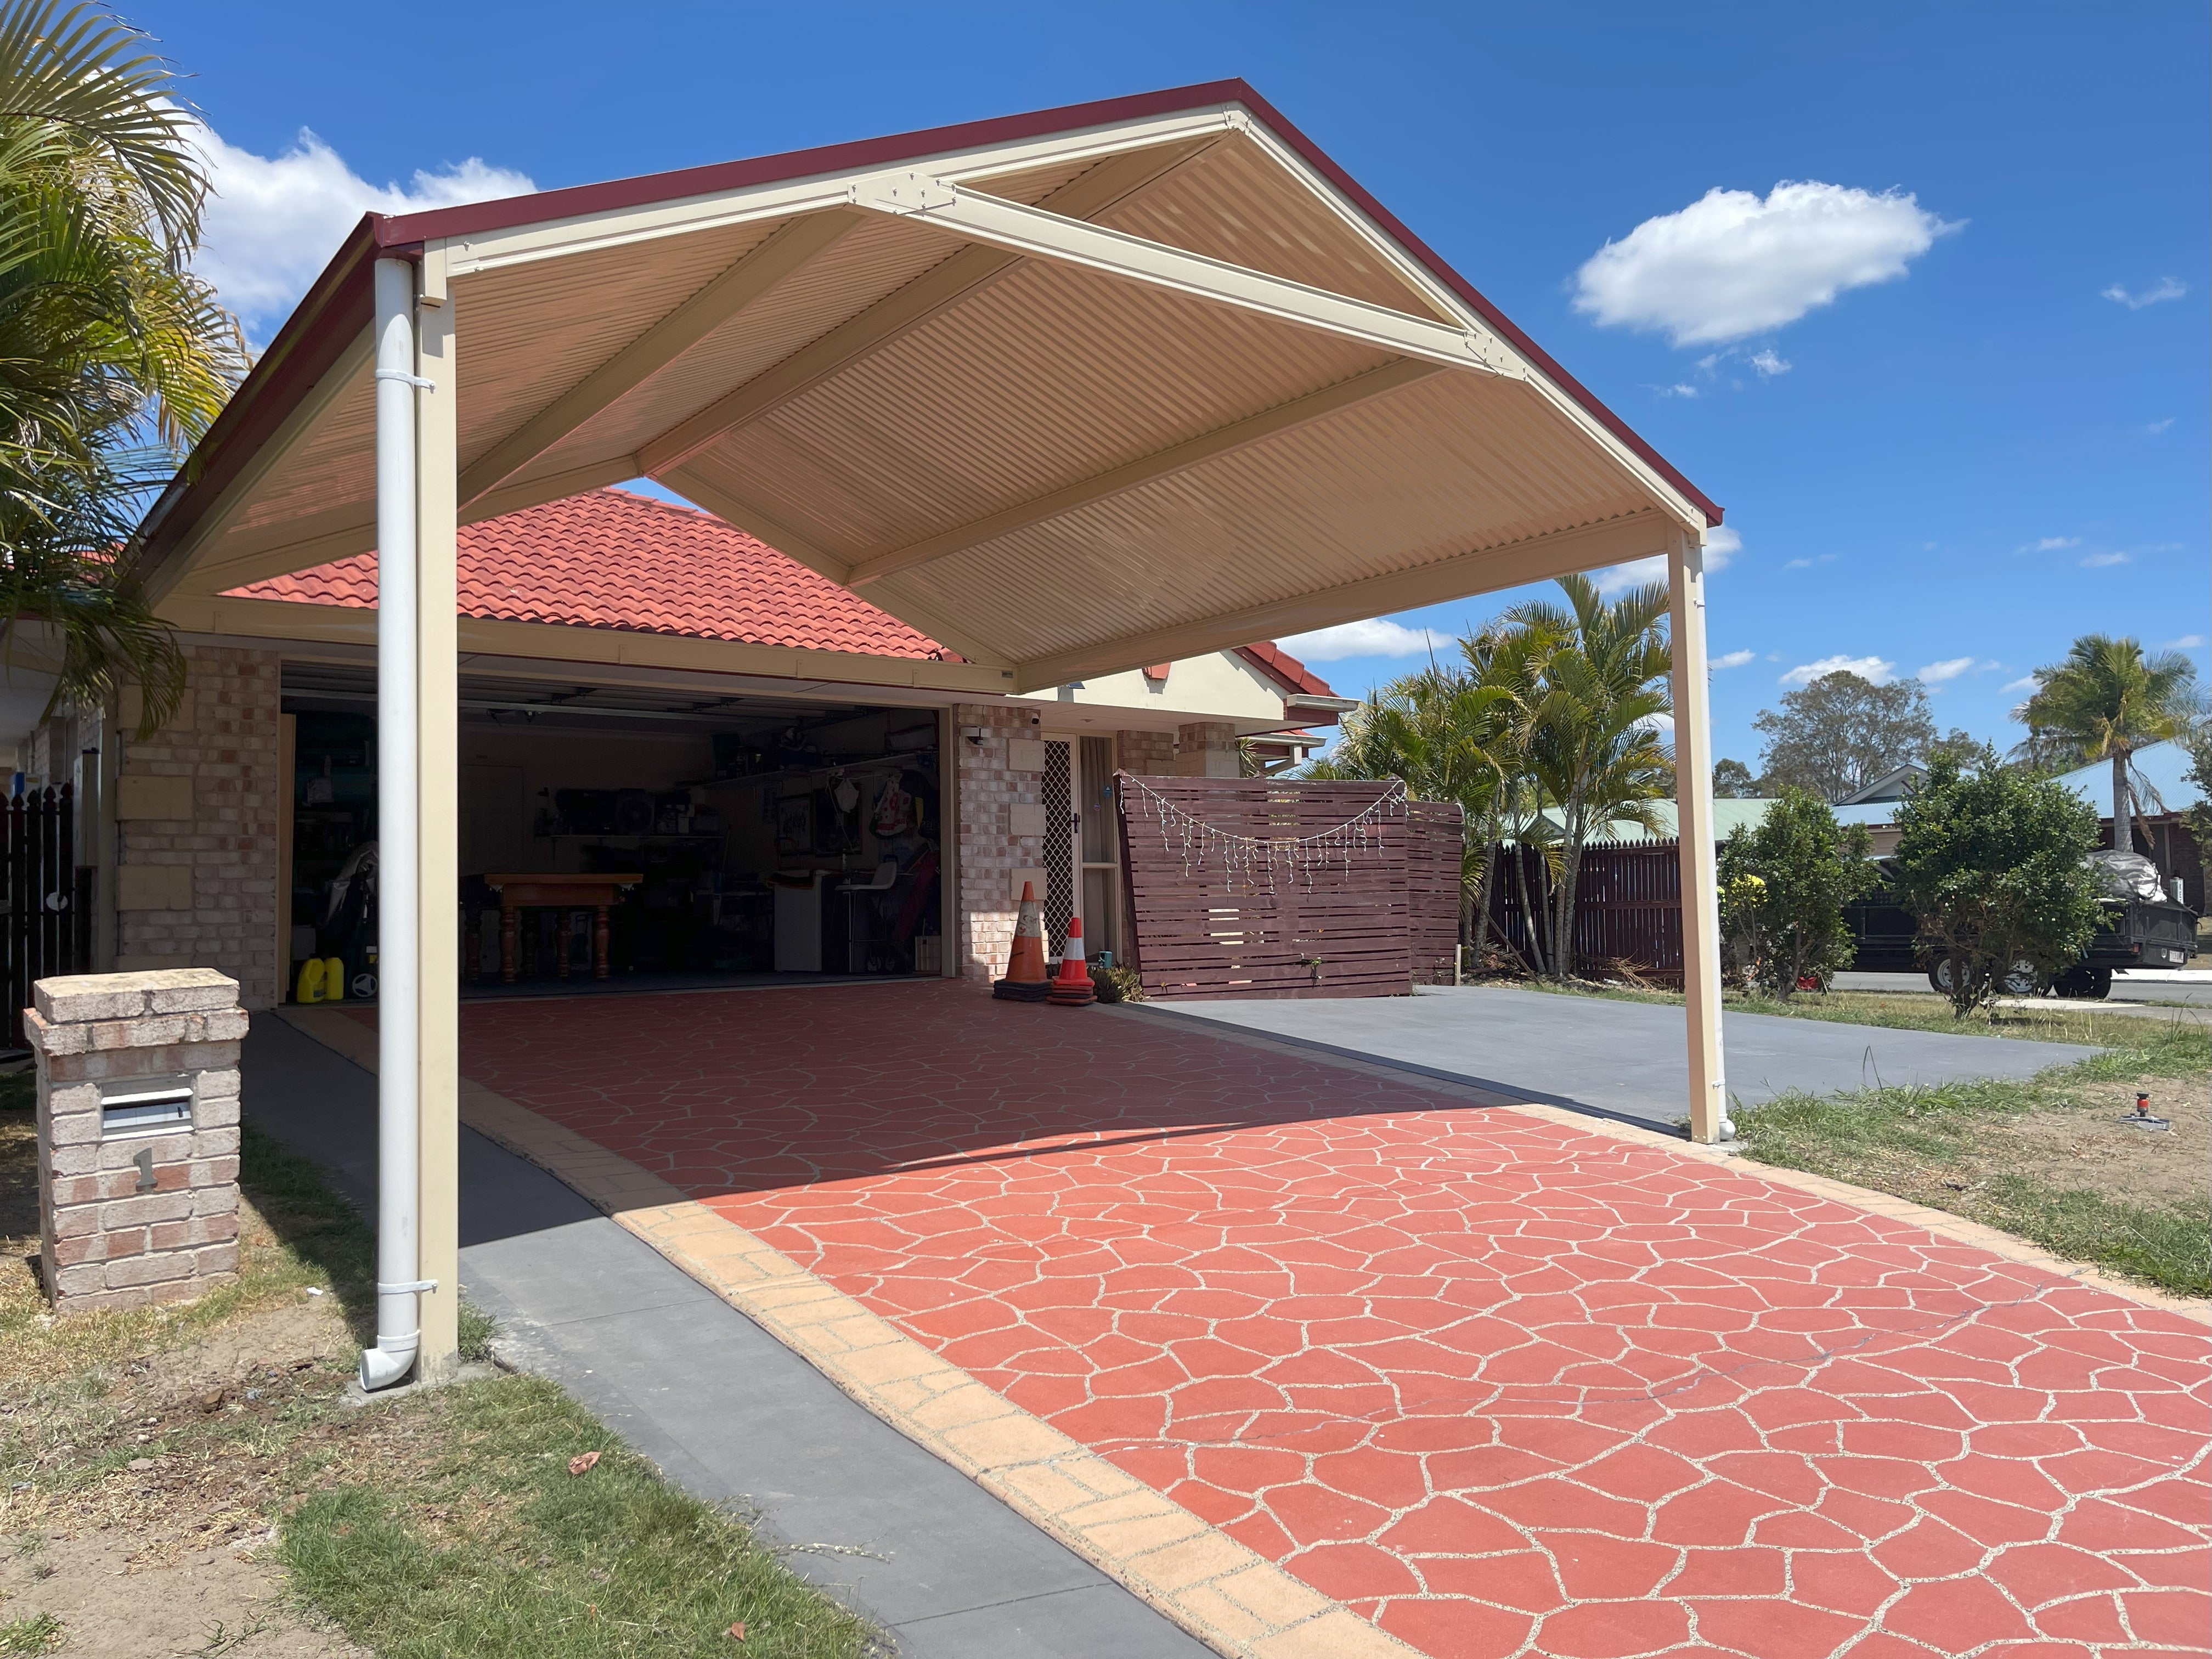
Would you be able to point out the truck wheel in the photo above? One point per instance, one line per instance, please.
(1939, 976)
(2101, 984)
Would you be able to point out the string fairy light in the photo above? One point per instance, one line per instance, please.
(1254, 856)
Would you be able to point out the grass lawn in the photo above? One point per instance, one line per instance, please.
(159, 1469)
(2046, 1159)
(2053, 1021)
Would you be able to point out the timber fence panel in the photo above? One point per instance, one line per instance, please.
(1628, 907)
(1260, 887)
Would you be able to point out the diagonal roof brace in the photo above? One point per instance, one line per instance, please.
(1044, 235)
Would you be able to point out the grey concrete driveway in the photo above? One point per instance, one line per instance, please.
(1624, 1059)
(724, 1408)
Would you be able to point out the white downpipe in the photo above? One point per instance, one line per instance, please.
(398, 1039)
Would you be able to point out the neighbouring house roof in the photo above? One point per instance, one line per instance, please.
(1285, 669)
(612, 558)
(1890, 786)
(2163, 766)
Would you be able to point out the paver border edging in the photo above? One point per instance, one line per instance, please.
(1229, 1597)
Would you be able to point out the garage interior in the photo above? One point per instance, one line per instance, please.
(760, 839)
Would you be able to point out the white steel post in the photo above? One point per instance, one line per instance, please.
(437, 780)
(399, 1283)
(1693, 802)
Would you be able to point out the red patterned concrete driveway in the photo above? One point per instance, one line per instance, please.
(1504, 1386)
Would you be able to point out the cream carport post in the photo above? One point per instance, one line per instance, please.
(1070, 393)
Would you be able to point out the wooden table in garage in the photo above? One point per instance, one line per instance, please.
(564, 893)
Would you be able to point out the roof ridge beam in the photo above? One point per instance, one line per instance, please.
(782, 255)
(1096, 189)
(1284, 417)
(1042, 233)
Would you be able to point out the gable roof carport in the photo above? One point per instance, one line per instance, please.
(1070, 391)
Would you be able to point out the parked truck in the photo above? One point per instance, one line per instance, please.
(2141, 924)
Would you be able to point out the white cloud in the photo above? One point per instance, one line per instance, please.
(1678, 390)
(272, 223)
(2157, 427)
(1732, 660)
(1876, 668)
(2103, 561)
(1730, 264)
(2025, 683)
(2168, 288)
(1722, 544)
(1769, 363)
(1378, 637)
(2052, 544)
(2187, 642)
(1936, 672)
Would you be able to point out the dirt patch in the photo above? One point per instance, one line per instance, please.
(2083, 1146)
(219, 1601)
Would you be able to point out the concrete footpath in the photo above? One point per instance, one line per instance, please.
(726, 1410)
(1619, 1059)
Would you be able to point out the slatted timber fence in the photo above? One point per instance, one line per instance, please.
(1628, 907)
(1265, 887)
(48, 924)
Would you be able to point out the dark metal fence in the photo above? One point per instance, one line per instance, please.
(1628, 907)
(49, 897)
(1214, 912)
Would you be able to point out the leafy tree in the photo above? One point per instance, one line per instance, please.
(1837, 735)
(1993, 863)
(2106, 701)
(113, 356)
(1592, 747)
(1785, 882)
(2199, 742)
(1732, 780)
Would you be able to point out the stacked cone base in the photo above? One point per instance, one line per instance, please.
(1011, 990)
(1067, 995)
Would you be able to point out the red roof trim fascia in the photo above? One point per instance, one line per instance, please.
(339, 305)
(647, 189)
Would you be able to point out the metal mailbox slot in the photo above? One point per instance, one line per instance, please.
(145, 1106)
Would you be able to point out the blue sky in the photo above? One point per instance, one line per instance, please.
(1992, 438)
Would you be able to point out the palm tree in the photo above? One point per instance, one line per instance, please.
(114, 358)
(1592, 744)
(2106, 700)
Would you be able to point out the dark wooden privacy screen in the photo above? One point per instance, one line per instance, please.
(1288, 908)
(1628, 906)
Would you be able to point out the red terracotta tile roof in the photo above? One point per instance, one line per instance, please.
(613, 559)
(1285, 669)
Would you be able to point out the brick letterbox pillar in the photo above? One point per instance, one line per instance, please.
(138, 1084)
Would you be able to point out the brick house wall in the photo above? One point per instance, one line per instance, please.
(1146, 754)
(990, 790)
(195, 827)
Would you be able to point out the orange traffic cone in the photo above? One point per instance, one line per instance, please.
(1026, 981)
(1073, 988)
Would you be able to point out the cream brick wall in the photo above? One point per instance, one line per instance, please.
(994, 793)
(196, 832)
(1146, 754)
